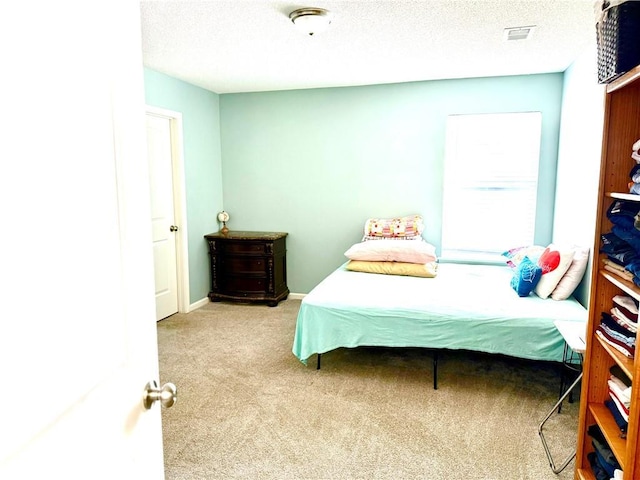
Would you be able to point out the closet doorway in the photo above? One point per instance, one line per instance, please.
(168, 211)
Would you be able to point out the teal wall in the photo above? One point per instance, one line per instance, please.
(317, 163)
(202, 165)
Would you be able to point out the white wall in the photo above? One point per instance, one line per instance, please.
(579, 154)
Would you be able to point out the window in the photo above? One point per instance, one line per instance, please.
(490, 184)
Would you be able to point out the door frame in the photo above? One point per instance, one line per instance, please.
(179, 202)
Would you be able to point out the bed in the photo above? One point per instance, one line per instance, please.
(465, 307)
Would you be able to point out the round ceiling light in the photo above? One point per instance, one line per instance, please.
(311, 20)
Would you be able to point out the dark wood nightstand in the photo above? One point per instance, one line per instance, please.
(248, 266)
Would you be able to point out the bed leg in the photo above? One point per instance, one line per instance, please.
(318, 366)
(435, 370)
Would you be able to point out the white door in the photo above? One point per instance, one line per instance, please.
(78, 341)
(163, 223)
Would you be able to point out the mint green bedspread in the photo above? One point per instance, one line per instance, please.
(470, 307)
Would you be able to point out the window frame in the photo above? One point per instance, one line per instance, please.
(472, 142)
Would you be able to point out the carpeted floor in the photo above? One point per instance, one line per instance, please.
(247, 408)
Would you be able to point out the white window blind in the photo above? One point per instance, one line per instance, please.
(490, 184)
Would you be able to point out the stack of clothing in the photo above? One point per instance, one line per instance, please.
(618, 335)
(618, 269)
(619, 397)
(625, 312)
(622, 244)
(603, 461)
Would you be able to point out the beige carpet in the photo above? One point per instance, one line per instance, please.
(247, 408)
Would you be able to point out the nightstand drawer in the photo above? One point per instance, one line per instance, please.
(239, 265)
(245, 247)
(242, 285)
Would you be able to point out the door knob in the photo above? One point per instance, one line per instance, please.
(167, 395)
(173, 228)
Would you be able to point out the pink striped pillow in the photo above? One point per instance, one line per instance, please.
(408, 227)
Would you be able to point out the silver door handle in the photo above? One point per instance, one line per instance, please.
(167, 395)
(173, 228)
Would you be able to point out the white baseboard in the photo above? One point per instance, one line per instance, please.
(198, 304)
(297, 296)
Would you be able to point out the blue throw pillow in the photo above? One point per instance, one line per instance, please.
(526, 277)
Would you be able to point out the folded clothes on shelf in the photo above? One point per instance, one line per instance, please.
(617, 372)
(628, 306)
(621, 422)
(621, 347)
(622, 243)
(604, 458)
(619, 270)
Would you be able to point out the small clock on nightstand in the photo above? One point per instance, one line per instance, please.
(224, 218)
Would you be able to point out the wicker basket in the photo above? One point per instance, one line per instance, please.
(618, 36)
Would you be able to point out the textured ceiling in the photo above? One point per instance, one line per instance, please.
(251, 45)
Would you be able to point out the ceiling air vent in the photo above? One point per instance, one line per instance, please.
(519, 33)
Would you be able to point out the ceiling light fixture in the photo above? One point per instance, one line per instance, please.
(311, 20)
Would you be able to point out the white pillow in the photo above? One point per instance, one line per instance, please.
(573, 275)
(550, 279)
(392, 251)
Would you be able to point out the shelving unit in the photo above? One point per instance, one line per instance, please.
(621, 130)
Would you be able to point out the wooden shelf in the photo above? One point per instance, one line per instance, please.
(625, 363)
(621, 129)
(609, 427)
(625, 285)
(624, 80)
(632, 197)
